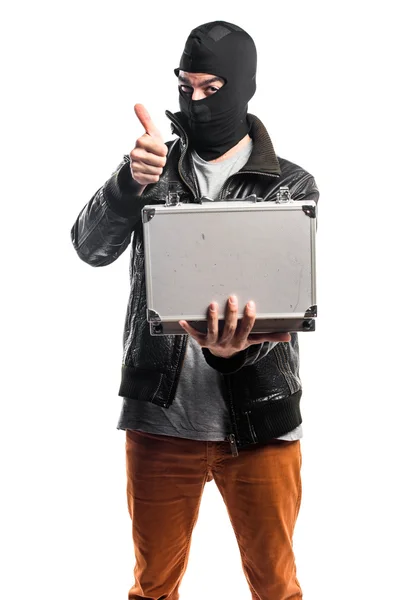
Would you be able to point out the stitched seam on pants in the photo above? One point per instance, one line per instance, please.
(191, 528)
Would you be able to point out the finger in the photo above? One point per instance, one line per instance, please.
(199, 337)
(145, 179)
(231, 311)
(259, 338)
(145, 119)
(140, 154)
(141, 167)
(246, 325)
(212, 324)
(152, 145)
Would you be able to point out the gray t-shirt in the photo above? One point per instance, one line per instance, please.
(211, 176)
(199, 411)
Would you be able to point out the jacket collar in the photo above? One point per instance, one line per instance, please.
(262, 159)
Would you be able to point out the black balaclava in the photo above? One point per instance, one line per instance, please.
(217, 123)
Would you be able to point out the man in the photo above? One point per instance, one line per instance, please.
(208, 406)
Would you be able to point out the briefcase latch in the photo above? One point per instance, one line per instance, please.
(173, 196)
(156, 327)
(283, 195)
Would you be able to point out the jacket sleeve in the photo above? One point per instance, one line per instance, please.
(104, 226)
(306, 189)
(245, 358)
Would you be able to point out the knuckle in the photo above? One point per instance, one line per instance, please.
(159, 150)
(141, 142)
(137, 154)
(248, 321)
(248, 327)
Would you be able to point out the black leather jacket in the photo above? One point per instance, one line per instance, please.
(262, 383)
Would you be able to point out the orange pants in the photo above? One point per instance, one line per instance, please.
(261, 489)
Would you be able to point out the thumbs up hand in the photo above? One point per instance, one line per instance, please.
(148, 158)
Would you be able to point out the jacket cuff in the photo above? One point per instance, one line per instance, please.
(230, 365)
(121, 193)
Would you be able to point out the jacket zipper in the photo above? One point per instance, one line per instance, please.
(231, 437)
(232, 441)
(184, 142)
(194, 177)
(183, 154)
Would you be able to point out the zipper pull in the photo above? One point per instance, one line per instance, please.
(232, 441)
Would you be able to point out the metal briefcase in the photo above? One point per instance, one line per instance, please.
(203, 252)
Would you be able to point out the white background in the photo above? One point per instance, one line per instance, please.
(327, 94)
